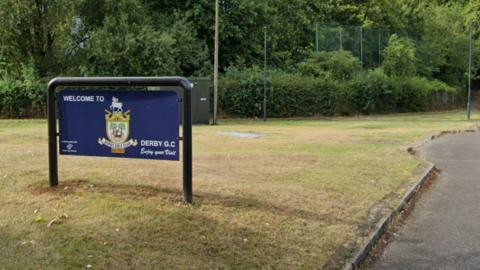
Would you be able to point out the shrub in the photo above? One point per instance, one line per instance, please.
(288, 94)
(337, 65)
(420, 94)
(374, 92)
(371, 92)
(298, 95)
(24, 97)
(241, 92)
(399, 57)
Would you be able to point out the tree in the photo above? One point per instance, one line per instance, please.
(399, 57)
(443, 47)
(35, 31)
(338, 65)
(123, 41)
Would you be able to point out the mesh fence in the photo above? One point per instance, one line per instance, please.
(439, 56)
(368, 44)
(365, 44)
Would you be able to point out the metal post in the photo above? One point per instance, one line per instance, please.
(215, 65)
(264, 73)
(317, 45)
(187, 145)
(379, 46)
(52, 135)
(469, 103)
(341, 38)
(361, 45)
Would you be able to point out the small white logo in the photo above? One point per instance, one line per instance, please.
(69, 146)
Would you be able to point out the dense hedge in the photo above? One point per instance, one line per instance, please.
(22, 94)
(241, 94)
(22, 98)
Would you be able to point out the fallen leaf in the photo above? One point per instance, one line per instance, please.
(53, 221)
(39, 219)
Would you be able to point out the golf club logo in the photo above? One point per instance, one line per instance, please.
(117, 128)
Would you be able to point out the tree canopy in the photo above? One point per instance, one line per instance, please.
(159, 37)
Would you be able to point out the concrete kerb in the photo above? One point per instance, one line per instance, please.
(381, 227)
(385, 222)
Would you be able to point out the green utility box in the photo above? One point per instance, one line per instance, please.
(200, 99)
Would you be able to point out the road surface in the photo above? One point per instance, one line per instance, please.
(443, 231)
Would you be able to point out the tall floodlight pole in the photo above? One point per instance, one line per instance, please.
(264, 73)
(215, 66)
(379, 47)
(341, 38)
(469, 104)
(361, 45)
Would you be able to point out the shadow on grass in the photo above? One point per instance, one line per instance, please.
(177, 240)
(174, 195)
(174, 238)
(78, 186)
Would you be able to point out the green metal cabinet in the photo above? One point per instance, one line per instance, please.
(200, 99)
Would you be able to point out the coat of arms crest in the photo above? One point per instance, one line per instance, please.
(117, 128)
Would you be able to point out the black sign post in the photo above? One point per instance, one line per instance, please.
(183, 83)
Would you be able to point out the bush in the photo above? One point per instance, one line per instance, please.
(241, 92)
(375, 92)
(371, 92)
(297, 95)
(288, 94)
(24, 97)
(420, 94)
(337, 65)
(399, 57)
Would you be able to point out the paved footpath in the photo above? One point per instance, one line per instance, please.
(443, 231)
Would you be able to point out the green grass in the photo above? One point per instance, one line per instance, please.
(299, 197)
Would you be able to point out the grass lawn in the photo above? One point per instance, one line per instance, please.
(299, 197)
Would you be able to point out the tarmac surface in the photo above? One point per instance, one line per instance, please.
(443, 230)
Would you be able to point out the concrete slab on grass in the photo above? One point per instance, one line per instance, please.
(244, 135)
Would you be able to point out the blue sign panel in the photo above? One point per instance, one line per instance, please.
(125, 124)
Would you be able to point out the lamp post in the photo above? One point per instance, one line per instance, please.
(264, 73)
(215, 67)
(469, 103)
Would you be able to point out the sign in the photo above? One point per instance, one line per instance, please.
(123, 124)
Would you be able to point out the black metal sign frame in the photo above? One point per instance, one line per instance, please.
(183, 83)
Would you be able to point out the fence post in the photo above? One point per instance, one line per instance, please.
(341, 38)
(469, 103)
(379, 46)
(361, 45)
(215, 64)
(264, 73)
